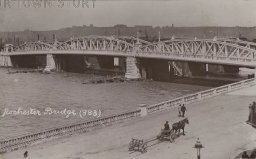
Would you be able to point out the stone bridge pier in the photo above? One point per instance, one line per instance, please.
(132, 68)
(133, 64)
(5, 61)
(50, 63)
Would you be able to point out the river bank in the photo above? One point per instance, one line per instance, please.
(219, 122)
(61, 91)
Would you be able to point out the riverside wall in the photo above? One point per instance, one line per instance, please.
(62, 131)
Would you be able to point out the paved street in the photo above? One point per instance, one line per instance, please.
(219, 122)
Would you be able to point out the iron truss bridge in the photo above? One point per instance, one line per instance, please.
(229, 51)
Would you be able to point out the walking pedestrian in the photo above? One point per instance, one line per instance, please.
(183, 110)
(25, 154)
(250, 112)
(179, 109)
(251, 117)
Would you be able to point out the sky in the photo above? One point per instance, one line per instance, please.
(129, 12)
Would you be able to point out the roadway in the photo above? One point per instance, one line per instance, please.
(219, 122)
(233, 61)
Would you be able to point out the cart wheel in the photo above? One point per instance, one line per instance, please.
(144, 148)
(172, 137)
(130, 146)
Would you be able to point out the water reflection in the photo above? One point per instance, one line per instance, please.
(65, 90)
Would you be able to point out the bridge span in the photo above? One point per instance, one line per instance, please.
(176, 51)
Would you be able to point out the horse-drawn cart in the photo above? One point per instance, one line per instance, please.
(166, 135)
(138, 145)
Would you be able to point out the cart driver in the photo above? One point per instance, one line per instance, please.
(166, 126)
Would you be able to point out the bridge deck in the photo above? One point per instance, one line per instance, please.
(219, 122)
(218, 50)
(192, 58)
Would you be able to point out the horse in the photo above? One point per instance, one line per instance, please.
(180, 125)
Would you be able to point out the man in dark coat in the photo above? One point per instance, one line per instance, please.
(251, 112)
(183, 110)
(166, 126)
(179, 109)
(26, 154)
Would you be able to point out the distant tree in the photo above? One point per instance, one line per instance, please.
(1, 44)
(154, 38)
(243, 38)
(146, 35)
(14, 40)
(106, 33)
(54, 37)
(120, 26)
(118, 32)
(140, 33)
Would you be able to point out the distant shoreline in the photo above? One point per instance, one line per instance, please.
(145, 32)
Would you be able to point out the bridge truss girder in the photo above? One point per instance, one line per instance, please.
(206, 48)
(33, 46)
(229, 49)
(96, 43)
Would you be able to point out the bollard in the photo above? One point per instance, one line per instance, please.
(143, 109)
(251, 113)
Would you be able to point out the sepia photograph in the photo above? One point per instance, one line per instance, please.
(127, 79)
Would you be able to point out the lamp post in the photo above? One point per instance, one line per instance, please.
(198, 146)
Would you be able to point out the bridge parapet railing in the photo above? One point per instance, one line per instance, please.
(25, 140)
(201, 95)
(223, 89)
(164, 54)
(88, 49)
(201, 56)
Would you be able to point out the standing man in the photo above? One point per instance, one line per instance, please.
(251, 117)
(166, 126)
(179, 109)
(250, 113)
(25, 154)
(183, 110)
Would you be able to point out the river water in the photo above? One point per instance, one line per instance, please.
(60, 91)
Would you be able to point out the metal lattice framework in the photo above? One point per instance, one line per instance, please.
(237, 41)
(221, 50)
(199, 48)
(97, 43)
(33, 46)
